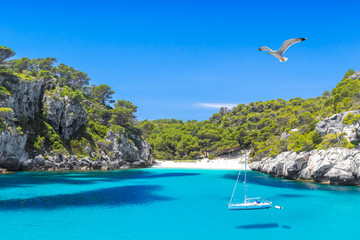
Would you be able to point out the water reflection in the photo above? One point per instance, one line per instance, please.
(258, 226)
(263, 179)
(262, 226)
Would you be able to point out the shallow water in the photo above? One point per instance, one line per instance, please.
(170, 204)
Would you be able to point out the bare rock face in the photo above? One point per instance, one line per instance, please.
(335, 124)
(25, 100)
(40, 163)
(64, 115)
(343, 172)
(12, 150)
(355, 75)
(293, 168)
(123, 154)
(335, 166)
(133, 150)
(26, 96)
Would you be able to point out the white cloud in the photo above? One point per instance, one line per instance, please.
(216, 105)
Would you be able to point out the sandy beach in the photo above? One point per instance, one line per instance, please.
(219, 163)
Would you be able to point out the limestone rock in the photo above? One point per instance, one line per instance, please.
(126, 166)
(26, 96)
(12, 150)
(29, 165)
(345, 172)
(59, 158)
(49, 165)
(335, 124)
(284, 135)
(335, 165)
(39, 160)
(297, 163)
(64, 115)
(139, 164)
(355, 75)
(96, 165)
(84, 164)
(128, 150)
(67, 117)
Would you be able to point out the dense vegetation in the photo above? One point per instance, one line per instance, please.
(61, 80)
(268, 128)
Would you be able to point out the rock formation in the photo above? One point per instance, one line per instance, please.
(355, 76)
(128, 150)
(12, 150)
(64, 115)
(67, 117)
(334, 166)
(26, 96)
(335, 124)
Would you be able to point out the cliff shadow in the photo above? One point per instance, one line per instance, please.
(116, 196)
(28, 179)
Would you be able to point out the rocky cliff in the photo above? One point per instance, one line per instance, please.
(335, 166)
(122, 153)
(12, 149)
(65, 115)
(34, 114)
(336, 125)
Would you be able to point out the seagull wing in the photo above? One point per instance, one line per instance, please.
(288, 43)
(264, 49)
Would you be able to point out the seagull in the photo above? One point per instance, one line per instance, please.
(279, 53)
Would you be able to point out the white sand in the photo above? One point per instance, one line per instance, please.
(218, 163)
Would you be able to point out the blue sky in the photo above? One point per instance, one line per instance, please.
(184, 59)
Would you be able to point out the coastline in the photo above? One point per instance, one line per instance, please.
(215, 164)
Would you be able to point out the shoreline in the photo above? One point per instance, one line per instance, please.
(215, 164)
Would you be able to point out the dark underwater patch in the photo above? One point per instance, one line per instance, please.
(116, 196)
(26, 179)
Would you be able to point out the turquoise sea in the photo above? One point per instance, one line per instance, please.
(170, 204)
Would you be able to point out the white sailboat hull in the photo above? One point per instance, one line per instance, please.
(246, 206)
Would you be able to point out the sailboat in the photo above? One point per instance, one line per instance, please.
(249, 203)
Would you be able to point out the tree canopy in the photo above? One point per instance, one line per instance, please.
(5, 53)
(65, 83)
(258, 125)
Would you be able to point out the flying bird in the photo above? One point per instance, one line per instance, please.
(279, 53)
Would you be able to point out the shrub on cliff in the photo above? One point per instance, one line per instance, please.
(300, 143)
(6, 112)
(4, 93)
(334, 140)
(351, 118)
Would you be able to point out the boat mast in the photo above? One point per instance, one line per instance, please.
(245, 179)
(237, 179)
